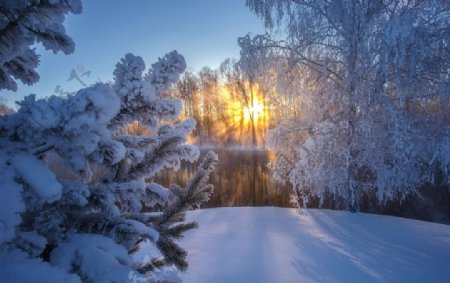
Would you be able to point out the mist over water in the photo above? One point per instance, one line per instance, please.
(241, 178)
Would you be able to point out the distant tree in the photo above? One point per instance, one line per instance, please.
(187, 90)
(379, 64)
(85, 228)
(209, 82)
(229, 78)
(5, 109)
(242, 81)
(24, 23)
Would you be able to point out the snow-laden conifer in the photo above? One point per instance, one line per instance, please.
(75, 182)
(24, 23)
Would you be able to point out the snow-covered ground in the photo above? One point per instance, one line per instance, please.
(266, 244)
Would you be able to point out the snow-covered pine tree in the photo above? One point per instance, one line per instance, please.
(75, 183)
(24, 23)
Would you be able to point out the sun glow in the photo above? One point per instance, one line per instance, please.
(229, 114)
(245, 110)
(255, 111)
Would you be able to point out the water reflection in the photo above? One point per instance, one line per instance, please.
(240, 179)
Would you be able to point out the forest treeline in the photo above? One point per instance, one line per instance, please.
(230, 108)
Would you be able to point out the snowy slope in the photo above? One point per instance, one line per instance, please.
(278, 245)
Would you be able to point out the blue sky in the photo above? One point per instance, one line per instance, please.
(204, 31)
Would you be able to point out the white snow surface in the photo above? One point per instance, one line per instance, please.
(268, 244)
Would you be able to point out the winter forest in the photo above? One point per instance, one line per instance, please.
(313, 146)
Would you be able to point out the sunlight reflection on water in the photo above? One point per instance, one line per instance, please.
(241, 178)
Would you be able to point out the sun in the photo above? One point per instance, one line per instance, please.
(245, 112)
(254, 111)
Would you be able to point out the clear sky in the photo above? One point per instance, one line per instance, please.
(205, 32)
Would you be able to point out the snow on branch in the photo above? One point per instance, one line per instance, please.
(24, 23)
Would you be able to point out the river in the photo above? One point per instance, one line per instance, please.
(241, 178)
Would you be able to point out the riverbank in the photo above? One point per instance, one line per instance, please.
(270, 244)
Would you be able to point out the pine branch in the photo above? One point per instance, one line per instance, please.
(173, 253)
(176, 232)
(193, 195)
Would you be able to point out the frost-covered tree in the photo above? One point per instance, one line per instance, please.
(384, 68)
(75, 183)
(24, 23)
